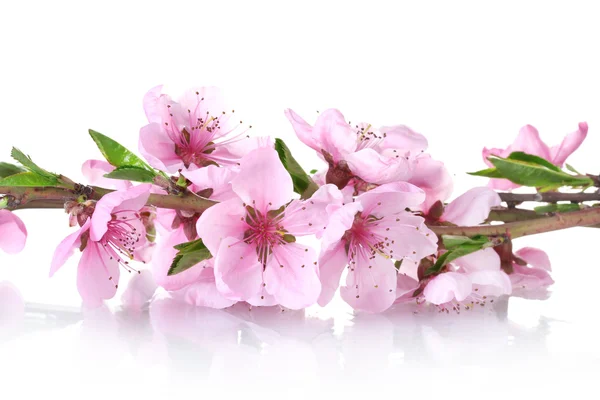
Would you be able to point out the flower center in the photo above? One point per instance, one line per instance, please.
(265, 232)
(361, 240)
(122, 237)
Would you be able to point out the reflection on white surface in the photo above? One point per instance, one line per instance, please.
(169, 346)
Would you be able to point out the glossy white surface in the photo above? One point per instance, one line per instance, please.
(465, 74)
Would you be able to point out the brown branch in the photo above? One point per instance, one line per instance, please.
(549, 197)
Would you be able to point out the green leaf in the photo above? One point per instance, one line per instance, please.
(573, 170)
(303, 184)
(7, 169)
(189, 254)
(313, 171)
(132, 174)
(116, 154)
(536, 175)
(488, 173)
(26, 161)
(530, 158)
(28, 179)
(457, 247)
(557, 208)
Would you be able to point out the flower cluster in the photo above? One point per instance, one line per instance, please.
(268, 233)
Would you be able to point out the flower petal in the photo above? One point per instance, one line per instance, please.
(405, 288)
(370, 284)
(331, 265)
(291, 276)
(309, 217)
(405, 237)
(158, 149)
(472, 207)
(375, 168)
(529, 141)
(339, 222)
(403, 139)
(203, 292)
(13, 233)
(132, 199)
(66, 248)
(212, 177)
(303, 130)
(238, 274)
(482, 260)
(263, 182)
(391, 198)
(570, 143)
(446, 287)
(220, 221)
(97, 275)
(140, 290)
(433, 177)
(334, 134)
(535, 257)
(491, 283)
(94, 171)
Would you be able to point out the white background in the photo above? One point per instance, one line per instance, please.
(465, 74)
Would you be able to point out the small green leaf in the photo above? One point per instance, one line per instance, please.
(28, 179)
(313, 171)
(26, 161)
(7, 169)
(303, 184)
(557, 208)
(573, 170)
(530, 158)
(116, 154)
(189, 254)
(488, 173)
(132, 174)
(536, 175)
(453, 241)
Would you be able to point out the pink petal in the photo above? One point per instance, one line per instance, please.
(405, 236)
(472, 207)
(570, 143)
(13, 233)
(158, 149)
(140, 290)
(220, 221)
(240, 147)
(527, 281)
(403, 139)
(433, 177)
(97, 275)
(152, 105)
(491, 283)
(303, 130)
(263, 182)
(164, 219)
(339, 222)
(310, 216)
(535, 257)
(66, 248)
(165, 253)
(391, 198)
(405, 288)
(216, 178)
(291, 276)
(132, 199)
(331, 265)
(482, 260)
(203, 292)
(206, 100)
(375, 168)
(370, 284)
(334, 134)
(238, 273)
(446, 287)
(529, 141)
(94, 171)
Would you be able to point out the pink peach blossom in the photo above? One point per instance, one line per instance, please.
(13, 234)
(253, 236)
(533, 279)
(529, 141)
(191, 133)
(433, 178)
(365, 236)
(375, 156)
(108, 240)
